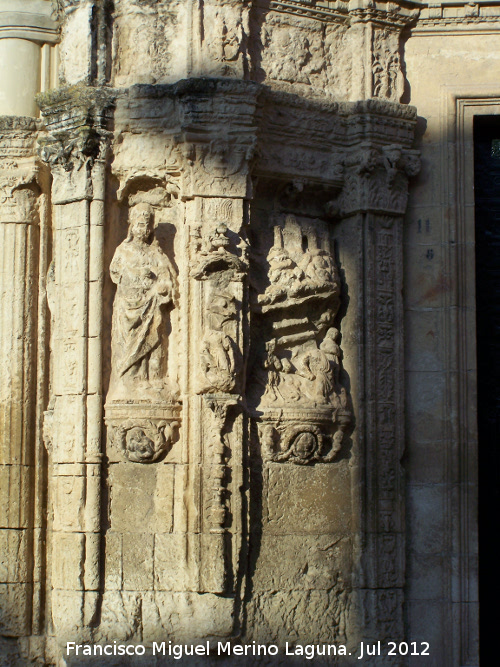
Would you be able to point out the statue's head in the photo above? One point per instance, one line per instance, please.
(141, 222)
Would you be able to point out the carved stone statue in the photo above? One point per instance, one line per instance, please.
(145, 289)
(218, 352)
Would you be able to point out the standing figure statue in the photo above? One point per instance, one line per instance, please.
(145, 279)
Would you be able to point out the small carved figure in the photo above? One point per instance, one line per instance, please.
(337, 439)
(284, 275)
(268, 441)
(281, 383)
(332, 351)
(272, 365)
(218, 362)
(313, 365)
(145, 287)
(317, 264)
(218, 351)
(283, 272)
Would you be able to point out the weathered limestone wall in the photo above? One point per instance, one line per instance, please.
(204, 238)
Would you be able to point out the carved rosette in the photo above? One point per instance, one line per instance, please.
(143, 432)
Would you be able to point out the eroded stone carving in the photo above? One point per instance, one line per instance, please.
(219, 355)
(388, 79)
(296, 387)
(142, 440)
(144, 277)
(141, 405)
(218, 144)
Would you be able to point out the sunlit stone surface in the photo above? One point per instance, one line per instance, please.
(230, 394)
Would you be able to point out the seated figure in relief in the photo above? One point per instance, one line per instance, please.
(145, 282)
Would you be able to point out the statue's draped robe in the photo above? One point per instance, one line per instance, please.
(143, 275)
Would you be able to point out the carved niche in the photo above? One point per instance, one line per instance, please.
(295, 393)
(142, 409)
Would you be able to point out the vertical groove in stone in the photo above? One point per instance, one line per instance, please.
(40, 459)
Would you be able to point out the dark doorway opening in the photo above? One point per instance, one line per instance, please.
(487, 230)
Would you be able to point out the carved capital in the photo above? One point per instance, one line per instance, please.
(76, 119)
(22, 176)
(66, 152)
(377, 179)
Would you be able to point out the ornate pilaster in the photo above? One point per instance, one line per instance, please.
(23, 220)
(375, 31)
(216, 213)
(195, 186)
(374, 199)
(75, 150)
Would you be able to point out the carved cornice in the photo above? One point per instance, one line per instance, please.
(458, 18)
(322, 11)
(67, 109)
(217, 132)
(395, 15)
(391, 14)
(314, 142)
(17, 139)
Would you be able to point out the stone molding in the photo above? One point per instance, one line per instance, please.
(32, 19)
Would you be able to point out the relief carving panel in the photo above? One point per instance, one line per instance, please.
(295, 392)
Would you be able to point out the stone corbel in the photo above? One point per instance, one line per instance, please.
(218, 137)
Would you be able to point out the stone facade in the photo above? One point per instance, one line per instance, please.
(237, 334)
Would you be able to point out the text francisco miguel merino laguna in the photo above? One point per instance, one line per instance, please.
(177, 651)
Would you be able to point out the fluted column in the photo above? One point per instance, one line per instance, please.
(22, 204)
